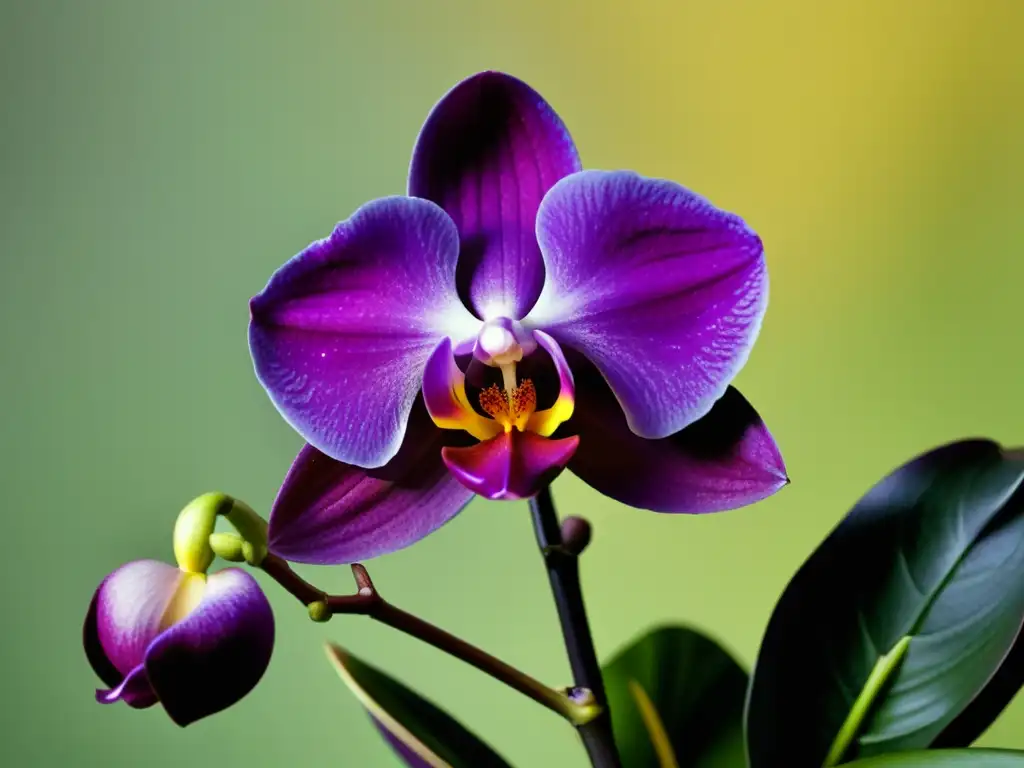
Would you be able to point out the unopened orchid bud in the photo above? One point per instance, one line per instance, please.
(576, 533)
(194, 643)
(228, 546)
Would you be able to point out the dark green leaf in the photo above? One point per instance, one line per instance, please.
(696, 688)
(935, 553)
(944, 758)
(420, 733)
(988, 704)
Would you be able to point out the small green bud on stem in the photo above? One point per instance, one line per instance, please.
(320, 611)
(252, 528)
(228, 546)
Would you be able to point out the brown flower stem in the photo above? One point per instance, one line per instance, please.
(561, 557)
(278, 569)
(368, 602)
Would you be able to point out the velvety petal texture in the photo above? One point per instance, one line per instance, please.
(197, 644)
(341, 333)
(101, 664)
(136, 603)
(727, 459)
(405, 344)
(331, 513)
(216, 654)
(487, 154)
(513, 465)
(662, 291)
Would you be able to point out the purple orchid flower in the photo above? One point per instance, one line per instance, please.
(194, 643)
(513, 316)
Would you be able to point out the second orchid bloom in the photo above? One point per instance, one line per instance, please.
(513, 316)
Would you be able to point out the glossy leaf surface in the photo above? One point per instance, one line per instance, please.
(675, 692)
(934, 553)
(989, 704)
(944, 758)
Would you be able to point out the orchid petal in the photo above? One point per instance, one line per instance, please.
(545, 422)
(101, 663)
(727, 459)
(134, 605)
(662, 291)
(513, 465)
(487, 154)
(217, 653)
(341, 333)
(332, 513)
(444, 394)
(134, 690)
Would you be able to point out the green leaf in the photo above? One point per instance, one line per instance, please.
(987, 705)
(933, 558)
(677, 689)
(944, 758)
(420, 733)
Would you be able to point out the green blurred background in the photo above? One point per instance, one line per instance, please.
(159, 159)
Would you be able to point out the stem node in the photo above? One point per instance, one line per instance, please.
(561, 557)
(368, 602)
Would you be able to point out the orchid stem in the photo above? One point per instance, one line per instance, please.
(368, 602)
(564, 573)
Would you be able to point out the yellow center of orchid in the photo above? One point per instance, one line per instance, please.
(510, 408)
(511, 405)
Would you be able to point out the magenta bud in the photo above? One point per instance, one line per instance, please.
(193, 643)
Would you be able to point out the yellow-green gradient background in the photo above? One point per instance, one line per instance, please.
(159, 159)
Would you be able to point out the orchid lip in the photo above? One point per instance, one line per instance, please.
(515, 456)
(515, 465)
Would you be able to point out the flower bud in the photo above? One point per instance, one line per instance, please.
(194, 643)
(576, 533)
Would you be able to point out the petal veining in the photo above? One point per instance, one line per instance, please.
(487, 154)
(725, 460)
(341, 333)
(331, 513)
(660, 289)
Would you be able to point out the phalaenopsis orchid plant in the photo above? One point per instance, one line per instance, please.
(513, 316)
